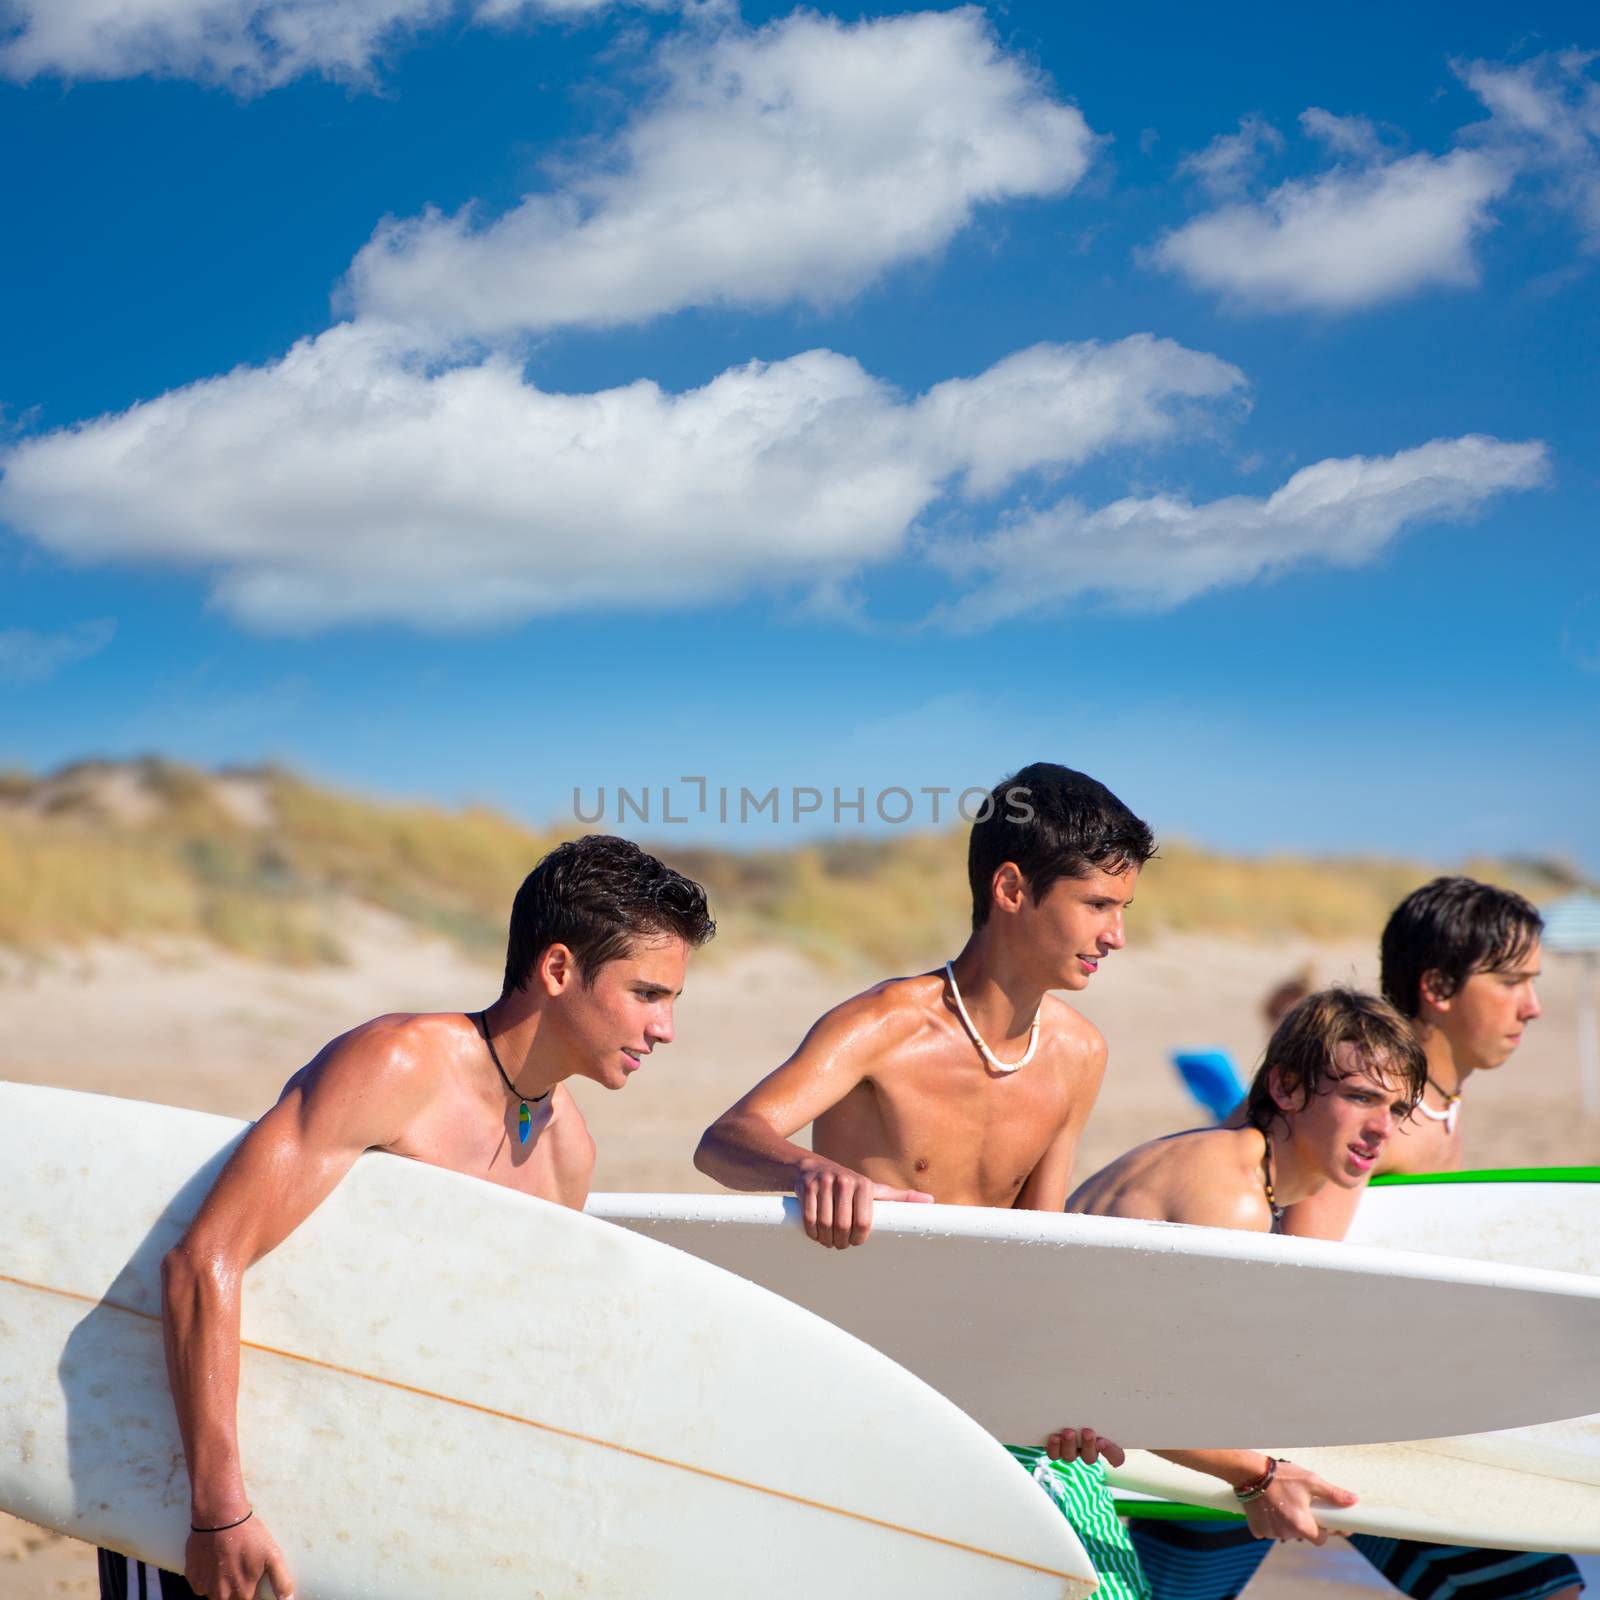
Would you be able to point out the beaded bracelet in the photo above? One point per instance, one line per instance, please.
(222, 1527)
(1256, 1487)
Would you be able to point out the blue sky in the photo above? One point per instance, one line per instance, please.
(481, 400)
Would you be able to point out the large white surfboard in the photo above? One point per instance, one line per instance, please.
(1154, 1333)
(1531, 1488)
(449, 1388)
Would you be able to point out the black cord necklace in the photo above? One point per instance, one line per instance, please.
(524, 1115)
(1266, 1183)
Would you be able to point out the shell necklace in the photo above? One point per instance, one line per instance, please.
(1452, 1107)
(977, 1038)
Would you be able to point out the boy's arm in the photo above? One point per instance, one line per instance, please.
(750, 1146)
(1050, 1182)
(1286, 1509)
(356, 1095)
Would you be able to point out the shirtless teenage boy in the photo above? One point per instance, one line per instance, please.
(1341, 1073)
(1460, 958)
(600, 938)
(968, 1085)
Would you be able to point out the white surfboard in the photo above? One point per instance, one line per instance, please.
(1531, 1488)
(1153, 1332)
(1411, 1491)
(448, 1388)
(1526, 1216)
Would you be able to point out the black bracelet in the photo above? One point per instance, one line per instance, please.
(222, 1527)
(1257, 1486)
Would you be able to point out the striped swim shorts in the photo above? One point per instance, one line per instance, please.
(123, 1578)
(1215, 1560)
(1083, 1497)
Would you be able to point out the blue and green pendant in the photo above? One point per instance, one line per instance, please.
(524, 1123)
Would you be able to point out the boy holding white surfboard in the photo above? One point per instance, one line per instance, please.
(1459, 960)
(969, 1085)
(1340, 1074)
(600, 938)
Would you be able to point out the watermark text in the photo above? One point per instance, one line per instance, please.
(693, 798)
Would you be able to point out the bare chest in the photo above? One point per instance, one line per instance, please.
(965, 1138)
(458, 1135)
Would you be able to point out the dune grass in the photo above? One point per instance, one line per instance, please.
(154, 850)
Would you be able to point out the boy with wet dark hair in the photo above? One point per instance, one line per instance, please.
(1319, 1042)
(1460, 959)
(969, 1084)
(1448, 930)
(1341, 1073)
(1052, 823)
(600, 938)
(597, 895)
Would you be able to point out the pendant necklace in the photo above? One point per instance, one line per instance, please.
(977, 1038)
(524, 1115)
(1452, 1107)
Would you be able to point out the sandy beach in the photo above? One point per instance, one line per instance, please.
(190, 1027)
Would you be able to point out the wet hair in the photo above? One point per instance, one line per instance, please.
(1453, 927)
(598, 895)
(1053, 823)
(1303, 1052)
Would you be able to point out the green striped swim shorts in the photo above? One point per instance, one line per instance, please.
(1083, 1497)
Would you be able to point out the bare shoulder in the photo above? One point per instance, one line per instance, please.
(571, 1151)
(1236, 1208)
(889, 1014)
(1075, 1035)
(1193, 1177)
(570, 1126)
(1130, 1186)
(379, 1074)
(1215, 1182)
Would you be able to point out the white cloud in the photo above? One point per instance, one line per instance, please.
(798, 161)
(1373, 227)
(1161, 550)
(1346, 239)
(27, 656)
(1053, 405)
(1354, 137)
(1226, 165)
(1545, 117)
(347, 482)
(247, 44)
